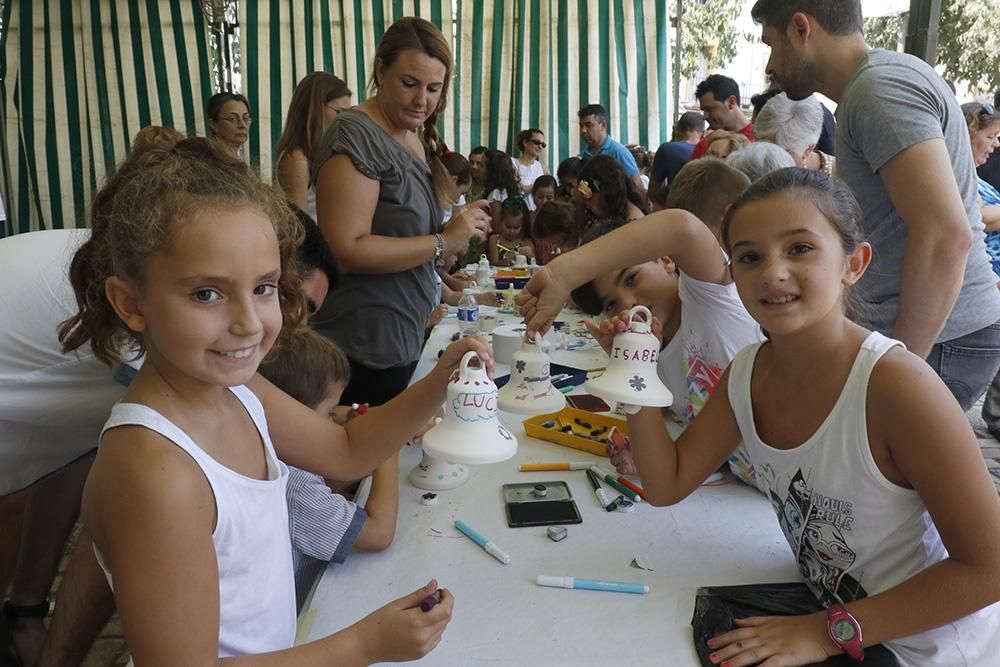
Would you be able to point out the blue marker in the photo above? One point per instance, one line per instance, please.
(590, 584)
(487, 545)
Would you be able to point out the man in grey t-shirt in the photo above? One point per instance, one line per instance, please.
(903, 148)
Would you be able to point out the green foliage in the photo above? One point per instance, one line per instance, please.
(882, 32)
(968, 41)
(710, 33)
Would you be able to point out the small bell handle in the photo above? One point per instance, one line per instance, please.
(641, 326)
(542, 344)
(463, 366)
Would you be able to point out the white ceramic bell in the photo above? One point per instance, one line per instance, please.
(529, 390)
(483, 271)
(470, 431)
(434, 474)
(631, 376)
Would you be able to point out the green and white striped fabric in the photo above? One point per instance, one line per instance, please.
(518, 64)
(80, 78)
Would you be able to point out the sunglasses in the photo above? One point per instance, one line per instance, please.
(987, 110)
(539, 143)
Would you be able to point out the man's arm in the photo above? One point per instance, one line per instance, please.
(923, 190)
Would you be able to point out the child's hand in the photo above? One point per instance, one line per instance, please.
(541, 300)
(488, 298)
(418, 437)
(452, 355)
(436, 316)
(401, 631)
(604, 332)
(780, 640)
(621, 458)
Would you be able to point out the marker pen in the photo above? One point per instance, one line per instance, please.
(487, 545)
(591, 585)
(431, 601)
(614, 484)
(602, 497)
(633, 486)
(539, 467)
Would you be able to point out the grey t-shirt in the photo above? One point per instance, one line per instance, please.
(894, 101)
(379, 319)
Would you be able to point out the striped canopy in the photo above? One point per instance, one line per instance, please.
(80, 78)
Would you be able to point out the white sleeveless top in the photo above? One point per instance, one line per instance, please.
(853, 532)
(256, 583)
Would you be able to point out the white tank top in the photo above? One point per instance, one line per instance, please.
(853, 532)
(256, 583)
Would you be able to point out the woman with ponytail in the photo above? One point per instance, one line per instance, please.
(380, 188)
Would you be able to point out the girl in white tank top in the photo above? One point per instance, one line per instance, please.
(873, 470)
(191, 258)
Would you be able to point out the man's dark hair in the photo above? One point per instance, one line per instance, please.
(690, 121)
(721, 87)
(585, 296)
(837, 17)
(314, 253)
(596, 110)
(477, 150)
(760, 99)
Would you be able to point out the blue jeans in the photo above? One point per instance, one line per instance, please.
(968, 364)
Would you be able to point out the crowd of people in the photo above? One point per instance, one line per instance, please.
(244, 352)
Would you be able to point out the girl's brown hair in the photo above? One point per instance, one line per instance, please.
(419, 34)
(307, 366)
(136, 213)
(155, 136)
(304, 120)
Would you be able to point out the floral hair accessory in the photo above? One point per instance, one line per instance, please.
(587, 187)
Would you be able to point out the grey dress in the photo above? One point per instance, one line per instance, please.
(379, 319)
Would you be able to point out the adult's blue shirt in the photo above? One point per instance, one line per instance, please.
(618, 152)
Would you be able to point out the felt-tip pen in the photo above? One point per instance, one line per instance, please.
(616, 485)
(591, 584)
(602, 497)
(431, 601)
(487, 545)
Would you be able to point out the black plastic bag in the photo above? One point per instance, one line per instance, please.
(716, 608)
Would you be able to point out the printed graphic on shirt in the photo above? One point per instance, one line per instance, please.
(818, 528)
(702, 376)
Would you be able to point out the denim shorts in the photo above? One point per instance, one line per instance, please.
(967, 364)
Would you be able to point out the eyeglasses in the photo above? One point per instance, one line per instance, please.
(539, 143)
(235, 119)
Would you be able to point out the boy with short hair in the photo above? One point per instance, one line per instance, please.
(323, 524)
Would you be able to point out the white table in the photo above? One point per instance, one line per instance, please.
(723, 535)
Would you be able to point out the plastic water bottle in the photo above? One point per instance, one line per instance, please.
(468, 313)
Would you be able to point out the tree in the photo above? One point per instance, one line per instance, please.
(709, 33)
(968, 41)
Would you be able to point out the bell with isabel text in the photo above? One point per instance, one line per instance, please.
(631, 376)
(529, 390)
(470, 431)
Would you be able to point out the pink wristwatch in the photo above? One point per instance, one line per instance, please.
(845, 631)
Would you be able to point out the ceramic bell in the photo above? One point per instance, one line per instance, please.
(470, 431)
(483, 271)
(631, 376)
(529, 390)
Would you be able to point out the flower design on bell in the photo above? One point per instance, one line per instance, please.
(520, 365)
(637, 383)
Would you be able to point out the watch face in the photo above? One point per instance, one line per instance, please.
(844, 630)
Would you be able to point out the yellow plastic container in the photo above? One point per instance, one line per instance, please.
(579, 437)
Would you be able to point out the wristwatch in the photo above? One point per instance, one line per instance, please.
(845, 631)
(438, 251)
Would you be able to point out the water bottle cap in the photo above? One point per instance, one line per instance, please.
(467, 290)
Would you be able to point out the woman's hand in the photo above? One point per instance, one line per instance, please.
(542, 299)
(471, 221)
(401, 631)
(774, 641)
